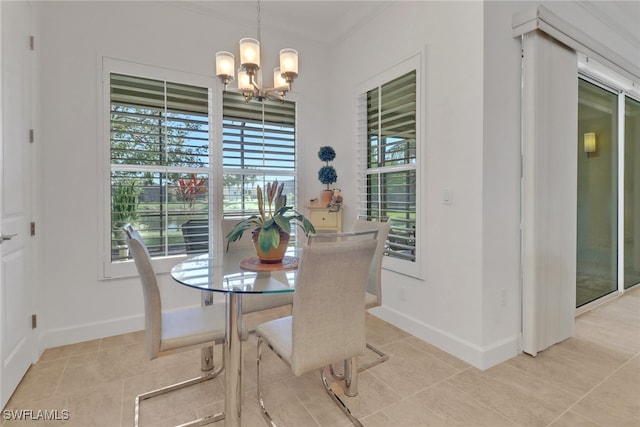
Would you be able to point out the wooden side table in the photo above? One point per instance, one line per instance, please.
(324, 220)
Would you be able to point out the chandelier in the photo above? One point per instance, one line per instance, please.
(249, 71)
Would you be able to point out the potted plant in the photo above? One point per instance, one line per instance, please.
(190, 190)
(327, 174)
(271, 227)
(124, 209)
(195, 231)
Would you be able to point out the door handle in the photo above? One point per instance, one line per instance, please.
(4, 237)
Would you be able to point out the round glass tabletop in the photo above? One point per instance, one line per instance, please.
(225, 273)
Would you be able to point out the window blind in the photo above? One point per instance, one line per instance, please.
(259, 146)
(158, 123)
(159, 145)
(258, 135)
(388, 159)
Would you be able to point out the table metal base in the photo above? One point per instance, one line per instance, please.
(233, 360)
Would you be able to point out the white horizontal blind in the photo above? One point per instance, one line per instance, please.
(159, 163)
(259, 146)
(389, 161)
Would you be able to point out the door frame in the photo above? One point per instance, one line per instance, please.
(15, 42)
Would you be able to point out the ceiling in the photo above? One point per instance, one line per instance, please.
(329, 21)
(323, 21)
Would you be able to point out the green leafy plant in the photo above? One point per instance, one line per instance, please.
(274, 217)
(124, 207)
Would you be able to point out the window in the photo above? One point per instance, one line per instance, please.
(166, 166)
(389, 162)
(258, 147)
(159, 155)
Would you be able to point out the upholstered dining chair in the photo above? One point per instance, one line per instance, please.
(253, 303)
(374, 284)
(167, 332)
(328, 316)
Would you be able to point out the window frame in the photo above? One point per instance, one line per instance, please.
(113, 270)
(405, 267)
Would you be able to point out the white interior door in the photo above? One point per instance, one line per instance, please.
(17, 338)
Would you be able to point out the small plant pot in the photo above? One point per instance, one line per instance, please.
(325, 197)
(274, 255)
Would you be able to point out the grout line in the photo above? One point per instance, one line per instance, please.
(578, 415)
(593, 388)
(484, 405)
(64, 370)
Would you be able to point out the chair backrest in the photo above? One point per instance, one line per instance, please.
(244, 242)
(374, 285)
(252, 303)
(328, 304)
(150, 291)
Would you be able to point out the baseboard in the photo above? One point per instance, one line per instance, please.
(90, 331)
(480, 357)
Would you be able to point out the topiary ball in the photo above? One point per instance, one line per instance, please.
(326, 154)
(327, 175)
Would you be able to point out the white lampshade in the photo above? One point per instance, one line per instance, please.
(243, 80)
(590, 142)
(289, 61)
(250, 52)
(278, 80)
(225, 64)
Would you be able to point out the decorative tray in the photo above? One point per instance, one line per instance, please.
(254, 264)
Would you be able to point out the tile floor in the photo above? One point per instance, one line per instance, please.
(590, 380)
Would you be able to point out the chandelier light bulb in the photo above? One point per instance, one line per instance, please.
(244, 82)
(278, 80)
(289, 61)
(225, 65)
(250, 53)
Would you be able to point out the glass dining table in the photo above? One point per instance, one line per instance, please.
(236, 273)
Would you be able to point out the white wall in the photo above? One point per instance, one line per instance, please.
(468, 298)
(444, 306)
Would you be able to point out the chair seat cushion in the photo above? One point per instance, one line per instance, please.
(279, 335)
(192, 326)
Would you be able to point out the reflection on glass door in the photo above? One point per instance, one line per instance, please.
(632, 193)
(597, 193)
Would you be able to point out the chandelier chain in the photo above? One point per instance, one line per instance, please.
(259, 35)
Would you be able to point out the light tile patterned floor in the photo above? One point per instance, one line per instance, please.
(592, 379)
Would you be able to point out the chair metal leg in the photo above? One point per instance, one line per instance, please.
(382, 357)
(199, 422)
(265, 414)
(351, 377)
(336, 373)
(206, 359)
(206, 354)
(339, 401)
(351, 386)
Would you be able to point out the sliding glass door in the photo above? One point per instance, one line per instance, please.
(608, 242)
(631, 193)
(597, 245)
